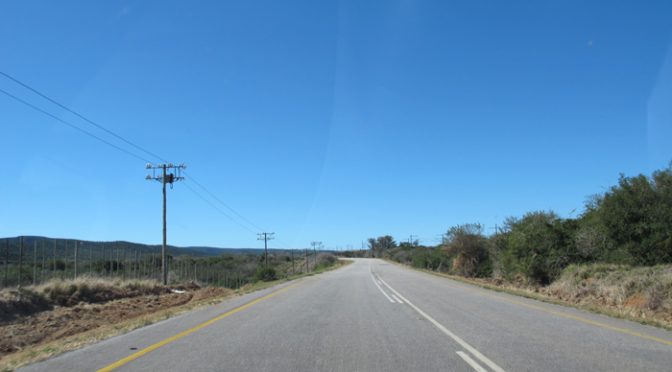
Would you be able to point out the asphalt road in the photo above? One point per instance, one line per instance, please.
(377, 316)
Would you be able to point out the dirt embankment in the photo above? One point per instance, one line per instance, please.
(57, 310)
(642, 293)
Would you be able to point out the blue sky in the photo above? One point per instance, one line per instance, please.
(322, 120)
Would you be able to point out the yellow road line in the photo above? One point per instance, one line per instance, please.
(577, 318)
(189, 331)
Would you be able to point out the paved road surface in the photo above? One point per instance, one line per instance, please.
(377, 316)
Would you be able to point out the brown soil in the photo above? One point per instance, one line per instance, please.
(637, 301)
(62, 322)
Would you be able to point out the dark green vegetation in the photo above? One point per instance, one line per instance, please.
(630, 224)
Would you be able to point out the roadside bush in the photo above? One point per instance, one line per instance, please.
(538, 246)
(468, 250)
(429, 258)
(420, 258)
(265, 274)
(403, 256)
(326, 260)
(636, 215)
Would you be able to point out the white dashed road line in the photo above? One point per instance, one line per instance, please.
(477, 367)
(445, 330)
(381, 289)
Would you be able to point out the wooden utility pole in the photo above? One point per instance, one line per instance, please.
(411, 239)
(165, 178)
(307, 269)
(293, 268)
(164, 269)
(266, 237)
(315, 244)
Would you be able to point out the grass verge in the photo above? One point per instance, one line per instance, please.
(551, 295)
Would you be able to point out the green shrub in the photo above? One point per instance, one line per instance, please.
(636, 215)
(539, 246)
(265, 274)
(468, 250)
(325, 260)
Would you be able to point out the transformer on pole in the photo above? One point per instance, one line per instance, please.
(165, 178)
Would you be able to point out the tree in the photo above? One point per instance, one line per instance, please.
(539, 246)
(380, 245)
(372, 246)
(468, 248)
(637, 216)
(386, 242)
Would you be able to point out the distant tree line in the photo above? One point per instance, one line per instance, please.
(630, 224)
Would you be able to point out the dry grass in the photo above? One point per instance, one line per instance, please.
(35, 353)
(65, 290)
(640, 294)
(637, 292)
(15, 303)
(96, 290)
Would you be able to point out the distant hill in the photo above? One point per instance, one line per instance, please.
(62, 243)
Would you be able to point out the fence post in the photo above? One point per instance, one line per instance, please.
(76, 257)
(4, 280)
(105, 265)
(65, 259)
(116, 261)
(6, 268)
(53, 260)
(20, 260)
(42, 267)
(123, 261)
(90, 259)
(34, 260)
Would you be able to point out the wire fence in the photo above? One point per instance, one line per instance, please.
(29, 261)
(33, 260)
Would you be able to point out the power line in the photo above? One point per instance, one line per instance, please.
(215, 207)
(127, 141)
(224, 204)
(72, 125)
(99, 126)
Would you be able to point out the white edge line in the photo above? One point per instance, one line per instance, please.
(450, 334)
(381, 289)
(397, 299)
(471, 362)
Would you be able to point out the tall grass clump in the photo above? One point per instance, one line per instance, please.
(642, 290)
